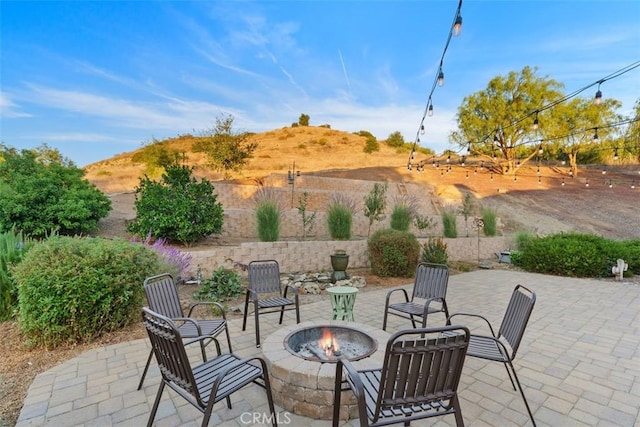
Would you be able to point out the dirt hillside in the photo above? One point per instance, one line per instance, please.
(534, 200)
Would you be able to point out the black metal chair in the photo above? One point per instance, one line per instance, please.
(266, 294)
(205, 384)
(430, 286)
(503, 346)
(419, 378)
(162, 297)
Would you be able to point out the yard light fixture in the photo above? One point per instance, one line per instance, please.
(440, 78)
(430, 111)
(598, 98)
(291, 179)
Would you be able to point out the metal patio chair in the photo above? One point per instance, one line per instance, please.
(430, 286)
(419, 378)
(207, 383)
(162, 297)
(503, 346)
(266, 294)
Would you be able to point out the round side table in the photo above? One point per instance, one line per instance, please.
(342, 300)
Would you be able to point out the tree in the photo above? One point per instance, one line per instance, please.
(578, 114)
(227, 150)
(156, 156)
(395, 139)
(375, 203)
(466, 209)
(304, 120)
(42, 192)
(492, 118)
(632, 134)
(178, 207)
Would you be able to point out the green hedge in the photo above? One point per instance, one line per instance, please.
(577, 255)
(77, 289)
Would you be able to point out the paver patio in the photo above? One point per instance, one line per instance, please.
(579, 364)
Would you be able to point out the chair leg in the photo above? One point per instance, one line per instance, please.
(337, 391)
(255, 313)
(152, 416)
(384, 319)
(281, 313)
(246, 309)
(226, 329)
(267, 387)
(297, 312)
(458, 411)
(146, 368)
(522, 394)
(506, 367)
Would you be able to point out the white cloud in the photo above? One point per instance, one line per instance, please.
(10, 110)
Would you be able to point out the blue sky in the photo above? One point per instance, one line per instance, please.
(95, 79)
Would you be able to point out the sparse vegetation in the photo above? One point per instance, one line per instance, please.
(449, 223)
(490, 218)
(308, 221)
(375, 204)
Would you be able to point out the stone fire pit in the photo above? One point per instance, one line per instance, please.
(304, 385)
(328, 343)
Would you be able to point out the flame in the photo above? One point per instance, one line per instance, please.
(328, 343)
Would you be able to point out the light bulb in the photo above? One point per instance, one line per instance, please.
(562, 182)
(430, 111)
(421, 129)
(441, 78)
(535, 124)
(598, 99)
(457, 26)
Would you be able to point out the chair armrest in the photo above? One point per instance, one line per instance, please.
(216, 304)
(188, 320)
(403, 290)
(427, 303)
(493, 334)
(293, 289)
(252, 295)
(357, 386)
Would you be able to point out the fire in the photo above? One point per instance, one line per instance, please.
(329, 344)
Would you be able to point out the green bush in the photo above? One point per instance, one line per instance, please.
(340, 217)
(222, 286)
(268, 214)
(490, 218)
(77, 289)
(43, 193)
(523, 239)
(401, 217)
(574, 254)
(435, 251)
(13, 246)
(268, 217)
(393, 253)
(177, 208)
(449, 224)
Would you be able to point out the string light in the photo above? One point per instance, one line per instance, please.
(421, 131)
(615, 155)
(535, 122)
(598, 98)
(455, 29)
(596, 138)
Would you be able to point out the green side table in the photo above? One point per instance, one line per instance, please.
(342, 300)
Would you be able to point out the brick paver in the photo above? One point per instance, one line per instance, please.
(579, 364)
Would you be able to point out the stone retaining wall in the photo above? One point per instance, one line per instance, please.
(303, 256)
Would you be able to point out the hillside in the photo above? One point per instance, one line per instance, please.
(537, 201)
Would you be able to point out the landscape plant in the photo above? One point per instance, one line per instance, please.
(393, 253)
(434, 250)
(340, 216)
(44, 193)
(13, 246)
(403, 213)
(178, 208)
(375, 203)
(77, 289)
(268, 214)
(449, 223)
(222, 286)
(423, 222)
(466, 209)
(177, 261)
(308, 221)
(576, 255)
(490, 218)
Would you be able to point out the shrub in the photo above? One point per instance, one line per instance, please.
(523, 239)
(449, 224)
(402, 214)
(393, 253)
(435, 251)
(13, 246)
(222, 286)
(77, 289)
(340, 217)
(176, 261)
(423, 222)
(489, 216)
(569, 254)
(177, 208)
(375, 203)
(44, 193)
(268, 213)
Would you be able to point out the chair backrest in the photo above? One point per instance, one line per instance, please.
(264, 276)
(422, 366)
(162, 295)
(517, 316)
(169, 350)
(431, 281)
